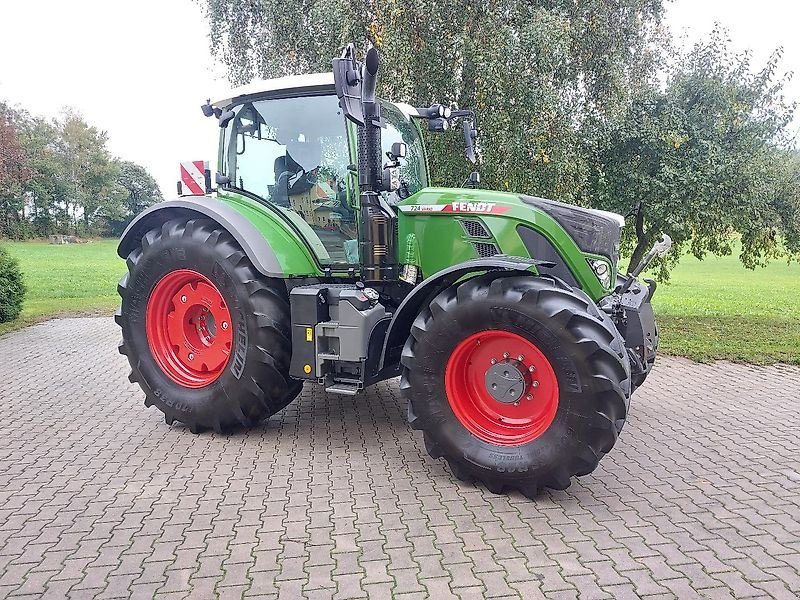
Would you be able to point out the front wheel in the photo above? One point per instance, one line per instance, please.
(207, 337)
(518, 382)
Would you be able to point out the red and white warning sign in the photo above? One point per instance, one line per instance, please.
(193, 178)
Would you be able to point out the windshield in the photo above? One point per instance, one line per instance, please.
(293, 152)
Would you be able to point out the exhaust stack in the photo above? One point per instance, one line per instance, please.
(355, 86)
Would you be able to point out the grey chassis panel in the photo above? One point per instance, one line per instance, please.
(246, 235)
(410, 306)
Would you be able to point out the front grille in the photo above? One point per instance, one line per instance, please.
(485, 250)
(475, 229)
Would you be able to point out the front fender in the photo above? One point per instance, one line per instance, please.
(258, 234)
(423, 293)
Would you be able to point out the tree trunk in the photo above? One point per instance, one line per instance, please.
(641, 240)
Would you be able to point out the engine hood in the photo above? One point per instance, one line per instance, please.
(595, 231)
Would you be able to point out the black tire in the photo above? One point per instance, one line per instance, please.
(581, 343)
(255, 381)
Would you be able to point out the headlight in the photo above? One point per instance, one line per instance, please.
(602, 270)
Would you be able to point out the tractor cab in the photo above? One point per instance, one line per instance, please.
(288, 144)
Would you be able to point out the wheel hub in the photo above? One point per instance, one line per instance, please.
(501, 387)
(189, 328)
(507, 381)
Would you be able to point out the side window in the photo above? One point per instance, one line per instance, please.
(294, 153)
(413, 175)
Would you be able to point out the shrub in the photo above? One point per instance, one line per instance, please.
(12, 289)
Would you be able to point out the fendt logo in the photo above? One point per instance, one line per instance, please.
(476, 207)
(458, 207)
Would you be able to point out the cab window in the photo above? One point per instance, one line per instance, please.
(293, 152)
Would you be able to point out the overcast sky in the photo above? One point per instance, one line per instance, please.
(140, 70)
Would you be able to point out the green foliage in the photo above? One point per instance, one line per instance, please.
(700, 158)
(533, 70)
(136, 190)
(14, 173)
(71, 182)
(12, 289)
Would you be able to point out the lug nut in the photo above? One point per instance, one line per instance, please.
(516, 403)
(520, 358)
(494, 361)
(531, 368)
(224, 324)
(535, 383)
(529, 397)
(183, 299)
(191, 356)
(505, 354)
(205, 309)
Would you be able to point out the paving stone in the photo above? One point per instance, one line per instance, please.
(335, 497)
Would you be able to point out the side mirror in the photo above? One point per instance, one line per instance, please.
(391, 179)
(470, 133)
(399, 150)
(207, 109)
(347, 78)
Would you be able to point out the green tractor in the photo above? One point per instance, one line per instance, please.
(323, 256)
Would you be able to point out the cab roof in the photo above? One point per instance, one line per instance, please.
(314, 82)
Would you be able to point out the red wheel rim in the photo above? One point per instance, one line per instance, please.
(503, 423)
(189, 328)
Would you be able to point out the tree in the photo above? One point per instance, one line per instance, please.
(583, 102)
(14, 173)
(46, 189)
(533, 70)
(700, 159)
(90, 170)
(137, 190)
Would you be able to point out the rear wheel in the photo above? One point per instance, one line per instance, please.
(206, 336)
(518, 382)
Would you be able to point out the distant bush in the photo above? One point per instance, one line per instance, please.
(12, 290)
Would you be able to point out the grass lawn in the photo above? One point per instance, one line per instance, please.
(64, 280)
(715, 308)
(711, 309)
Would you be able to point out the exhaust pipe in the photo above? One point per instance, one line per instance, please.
(355, 86)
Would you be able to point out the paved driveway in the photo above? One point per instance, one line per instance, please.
(336, 497)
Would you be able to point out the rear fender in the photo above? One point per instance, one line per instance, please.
(423, 293)
(250, 237)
